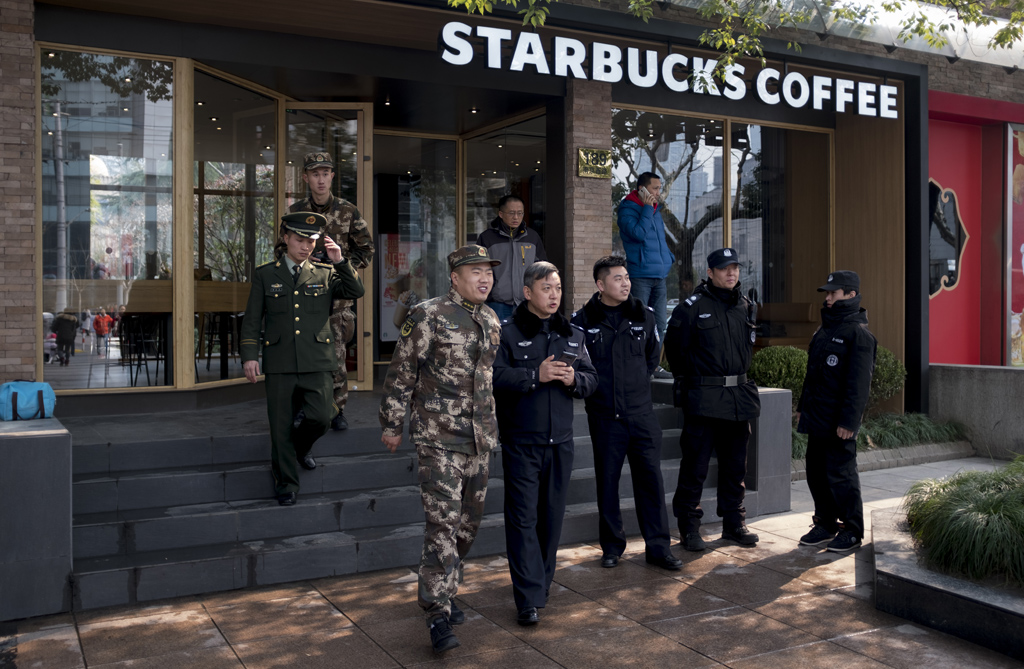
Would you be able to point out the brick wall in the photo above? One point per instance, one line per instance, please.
(588, 201)
(18, 124)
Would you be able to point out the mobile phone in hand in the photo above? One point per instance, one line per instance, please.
(567, 357)
(644, 193)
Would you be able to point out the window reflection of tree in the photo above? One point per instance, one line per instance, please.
(947, 238)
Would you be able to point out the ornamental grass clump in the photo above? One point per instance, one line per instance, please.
(972, 523)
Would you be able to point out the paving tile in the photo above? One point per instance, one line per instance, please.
(821, 654)
(253, 620)
(387, 601)
(828, 615)
(696, 565)
(586, 576)
(912, 647)
(778, 521)
(138, 610)
(658, 600)
(208, 658)
(371, 579)
(39, 624)
(577, 553)
(557, 622)
(140, 637)
(750, 583)
(52, 648)
(770, 544)
(511, 658)
(408, 640)
(620, 648)
(847, 571)
(732, 634)
(338, 649)
(216, 599)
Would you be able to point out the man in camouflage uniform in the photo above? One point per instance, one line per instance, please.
(442, 366)
(346, 227)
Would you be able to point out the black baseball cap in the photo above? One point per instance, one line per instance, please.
(844, 279)
(723, 258)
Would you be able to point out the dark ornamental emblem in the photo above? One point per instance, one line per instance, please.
(947, 239)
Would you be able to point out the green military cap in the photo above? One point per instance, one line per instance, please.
(316, 159)
(305, 223)
(470, 254)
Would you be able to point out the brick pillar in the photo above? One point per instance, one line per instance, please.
(18, 270)
(588, 201)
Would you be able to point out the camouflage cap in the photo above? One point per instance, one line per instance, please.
(305, 223)
(470, 254)
(311, 161)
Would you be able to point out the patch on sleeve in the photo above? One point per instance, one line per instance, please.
(407, 326)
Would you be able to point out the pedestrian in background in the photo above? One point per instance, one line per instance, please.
(442, 370)
(840, 362)
(541, 366)
(517, 247)
(623, 341)
(709, 344)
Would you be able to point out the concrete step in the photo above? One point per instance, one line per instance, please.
(164, 529)
(227, 482)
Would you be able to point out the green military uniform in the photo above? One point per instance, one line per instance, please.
(298, 351)
(442, 366)
(348, 229)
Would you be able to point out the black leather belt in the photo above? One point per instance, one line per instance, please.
(727, 381)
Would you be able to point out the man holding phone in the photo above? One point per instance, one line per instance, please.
(542, 364)
(623, 339)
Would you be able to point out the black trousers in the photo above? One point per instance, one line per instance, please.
(729, 439)
(638, 439)
(834, 482)
(536, 487)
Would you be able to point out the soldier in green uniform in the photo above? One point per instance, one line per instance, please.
(441, 369)
(294, 294)
(345, 225)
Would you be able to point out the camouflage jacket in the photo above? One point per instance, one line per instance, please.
(443, 363)
(346, 225)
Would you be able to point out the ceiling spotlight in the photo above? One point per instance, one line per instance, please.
(218, 127)
(199, 103)
(163, 155)
(290, 162)
(267, 147)
(124, 109)
(213, 118)
(538, 162)
(127, 78)
(51, 54)
(472, 110)
(387, 100)
(407, 172)
(49, 132)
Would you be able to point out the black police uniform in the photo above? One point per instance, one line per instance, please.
(625, 348)
(535, 429)
(840, 361)
(709, 343)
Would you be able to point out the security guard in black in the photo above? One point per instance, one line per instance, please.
(709, 344)
(293, 296)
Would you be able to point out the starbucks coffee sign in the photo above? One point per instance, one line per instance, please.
(567, 57)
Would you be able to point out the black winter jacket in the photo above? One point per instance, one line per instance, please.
(710, 335)
(531, 412)
(516, 249)
(624, 357)
(840, 362)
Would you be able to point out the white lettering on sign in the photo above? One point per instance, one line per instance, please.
(645, 68)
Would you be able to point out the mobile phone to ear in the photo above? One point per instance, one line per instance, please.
(568, 357)
(644, 192)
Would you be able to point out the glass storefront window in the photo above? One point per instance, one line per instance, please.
(508, 161)
(235, 214)
(414, 208)
(107, 212)
(687, 154)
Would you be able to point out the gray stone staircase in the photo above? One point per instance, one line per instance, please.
(160, 516)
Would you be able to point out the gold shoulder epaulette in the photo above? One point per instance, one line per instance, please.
(265, 264)
(320, 264)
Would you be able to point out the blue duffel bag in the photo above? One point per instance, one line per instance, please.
(25, 400)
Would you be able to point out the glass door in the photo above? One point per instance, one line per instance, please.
(343, 131)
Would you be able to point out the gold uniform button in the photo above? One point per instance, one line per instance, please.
(296, 306)
(296, 319)
(296, 332)
(268, 342)
(328, 341)
(296, 292)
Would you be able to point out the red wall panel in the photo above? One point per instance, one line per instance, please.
(954, 322)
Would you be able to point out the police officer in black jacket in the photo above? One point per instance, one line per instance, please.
(542, 364)
(622, 337)
(709, 343)
(840, 361)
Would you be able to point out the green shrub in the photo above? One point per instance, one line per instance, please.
(780, 367)
(799, 445)
(888, 379)
(891, 430)
(972, 523)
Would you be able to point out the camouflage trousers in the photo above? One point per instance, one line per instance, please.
(343, 327)
(453, 487)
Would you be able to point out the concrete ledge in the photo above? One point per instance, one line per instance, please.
(984, 615)
(887, 458)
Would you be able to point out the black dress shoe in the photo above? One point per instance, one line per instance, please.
(528, 616)
(457, 616)
(338, 423)
(609, 561)
(442, 638)
(287, 499)
(740, 535)
(299, 417)
(308, 462)
(670, 562)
